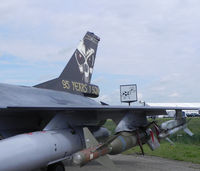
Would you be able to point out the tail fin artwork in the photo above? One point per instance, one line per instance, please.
(80, 66)
(76, 76)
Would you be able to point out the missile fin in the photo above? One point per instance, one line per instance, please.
(187, 131)
(170, 141)
(90, 141)
(107, 162)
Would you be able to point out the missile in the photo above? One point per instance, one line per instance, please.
(172, 131)
(172, 126)
(37, 149)
(121, 143)
(173, 123)
(116, 145)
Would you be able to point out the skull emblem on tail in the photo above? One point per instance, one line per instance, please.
(85, 61)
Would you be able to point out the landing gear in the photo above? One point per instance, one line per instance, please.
(56, 167)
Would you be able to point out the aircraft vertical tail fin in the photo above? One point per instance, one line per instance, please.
(80, 66)
(76, 76)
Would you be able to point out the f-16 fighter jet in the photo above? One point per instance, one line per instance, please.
(43, 125)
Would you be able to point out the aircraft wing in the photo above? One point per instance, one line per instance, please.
(99, 109)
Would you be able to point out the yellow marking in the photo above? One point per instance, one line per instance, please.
(65, 84)
(95, 90)
(80, 87)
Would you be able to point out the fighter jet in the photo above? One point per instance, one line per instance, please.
(43, 125)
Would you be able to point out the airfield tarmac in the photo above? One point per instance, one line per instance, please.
(140, 163)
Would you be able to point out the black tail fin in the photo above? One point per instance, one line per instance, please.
(79, 68)
(81, 64)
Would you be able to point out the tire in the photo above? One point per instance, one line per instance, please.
(56, 167)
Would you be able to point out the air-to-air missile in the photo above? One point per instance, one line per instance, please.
(172, 126)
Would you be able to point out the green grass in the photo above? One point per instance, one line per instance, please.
(179, 151)
(110, 125)
(186, 148)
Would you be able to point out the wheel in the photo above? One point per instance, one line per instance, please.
(56, 167)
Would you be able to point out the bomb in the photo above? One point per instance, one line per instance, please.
(122, 142)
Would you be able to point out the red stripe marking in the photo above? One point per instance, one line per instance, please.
(152, 136)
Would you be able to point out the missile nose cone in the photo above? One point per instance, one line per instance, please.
(162, 135)
(77, 159)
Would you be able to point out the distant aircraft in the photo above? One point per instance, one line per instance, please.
(188, 113)
(43, 125)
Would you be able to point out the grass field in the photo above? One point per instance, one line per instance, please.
(186, 148)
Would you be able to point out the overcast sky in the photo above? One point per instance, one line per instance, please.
(155, 44)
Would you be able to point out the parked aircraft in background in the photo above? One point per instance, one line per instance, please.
(187, 113)
(195, 105)
(43, 125)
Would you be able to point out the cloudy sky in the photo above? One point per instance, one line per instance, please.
(155, 44)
